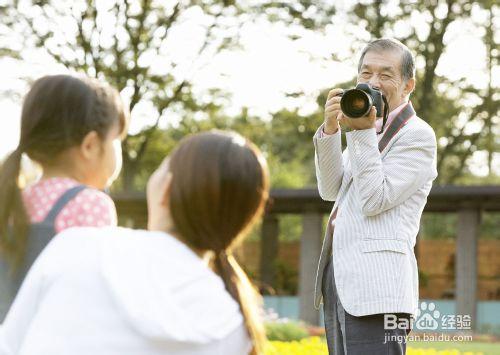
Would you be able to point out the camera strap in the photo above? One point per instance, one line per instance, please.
(399, 121)
(385, 116)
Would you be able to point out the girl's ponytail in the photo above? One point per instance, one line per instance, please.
(13, 218)
(240, 288)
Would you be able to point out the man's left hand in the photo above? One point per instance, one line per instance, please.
(365, 122)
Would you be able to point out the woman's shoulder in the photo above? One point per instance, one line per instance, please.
(124, 247)
(187, 301)
(100, 250)
(151, 250)
(75, 237)
(159, 286)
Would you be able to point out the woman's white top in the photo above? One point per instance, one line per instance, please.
(116, 291)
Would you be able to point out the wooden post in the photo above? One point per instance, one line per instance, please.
(269, 251)
(310, 250)
(466, 263)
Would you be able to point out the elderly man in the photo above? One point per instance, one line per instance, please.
(367, 273)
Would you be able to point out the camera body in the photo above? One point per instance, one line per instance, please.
(356, 103)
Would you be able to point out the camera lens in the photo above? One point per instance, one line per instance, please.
(355, 103)
(358, 103)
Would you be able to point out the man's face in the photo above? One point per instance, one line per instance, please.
(382, 69)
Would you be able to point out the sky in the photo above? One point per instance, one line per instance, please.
(259, 75)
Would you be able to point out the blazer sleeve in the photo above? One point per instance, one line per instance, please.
(407, 166)
(328, 163)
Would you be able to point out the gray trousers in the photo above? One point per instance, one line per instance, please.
(350, 335)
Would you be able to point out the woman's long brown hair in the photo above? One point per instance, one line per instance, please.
(220, 185)
(58, 112)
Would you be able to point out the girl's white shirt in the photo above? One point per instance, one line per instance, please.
(107, 291)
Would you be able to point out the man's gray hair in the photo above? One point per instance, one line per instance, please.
(384, 44)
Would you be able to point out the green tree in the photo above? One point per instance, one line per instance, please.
(132, 45)
(445, 105)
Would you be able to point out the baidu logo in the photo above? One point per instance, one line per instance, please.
(427, 317)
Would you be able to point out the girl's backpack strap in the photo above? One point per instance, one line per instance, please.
(62, 201)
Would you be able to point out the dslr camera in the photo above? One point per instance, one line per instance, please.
(356, 103)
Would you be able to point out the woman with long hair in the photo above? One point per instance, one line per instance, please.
(175, 289)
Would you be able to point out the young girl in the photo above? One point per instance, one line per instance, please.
(72, 127)
(117, 291)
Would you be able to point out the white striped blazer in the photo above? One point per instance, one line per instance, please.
(380, 197)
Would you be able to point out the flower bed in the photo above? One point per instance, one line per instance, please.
(316, 346)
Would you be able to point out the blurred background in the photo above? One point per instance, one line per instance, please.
(263, 68)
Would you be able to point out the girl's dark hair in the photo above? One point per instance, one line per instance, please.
(58, 112)
(219, 187)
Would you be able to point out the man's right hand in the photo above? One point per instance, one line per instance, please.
(332, 111)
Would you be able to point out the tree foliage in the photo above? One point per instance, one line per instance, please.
(465, 118)
(134, 45)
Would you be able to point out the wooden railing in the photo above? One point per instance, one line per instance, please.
(468, 201)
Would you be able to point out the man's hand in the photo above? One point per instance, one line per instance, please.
(364, 122)
(332, 111)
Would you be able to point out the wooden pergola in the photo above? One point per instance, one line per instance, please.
(468, 201)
